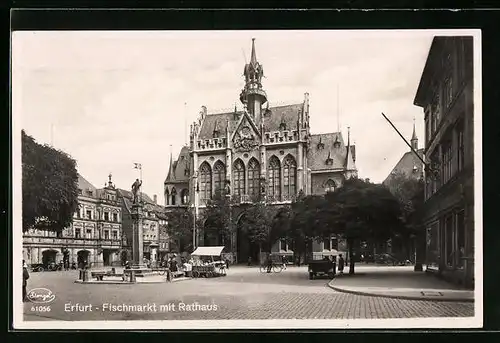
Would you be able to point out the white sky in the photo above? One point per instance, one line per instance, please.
(115, 98)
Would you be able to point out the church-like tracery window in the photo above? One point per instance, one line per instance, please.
(239, 177)
(289, 177)
(274, 179)
(219, 177)
(205, 182)
(330, 186)
(253, 177)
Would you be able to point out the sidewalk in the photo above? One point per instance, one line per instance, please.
(399, 283)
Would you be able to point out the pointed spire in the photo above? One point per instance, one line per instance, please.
(171, 174)
(253, 58)
(414, 139)
(348, 147)
(414, 136)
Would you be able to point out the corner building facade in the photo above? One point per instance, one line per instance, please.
(446, 95)
(261, 152)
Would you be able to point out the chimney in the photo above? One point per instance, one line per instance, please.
(155, 199)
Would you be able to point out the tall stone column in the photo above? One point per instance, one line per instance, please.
(300, 167)
(263, 167)
(137, 235)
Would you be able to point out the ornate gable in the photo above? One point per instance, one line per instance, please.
(246, 137)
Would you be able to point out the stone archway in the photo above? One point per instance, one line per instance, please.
(49, 256)
(83, 257)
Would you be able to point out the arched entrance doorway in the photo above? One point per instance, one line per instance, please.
(245, 248)
(83, 257)
(49, 256)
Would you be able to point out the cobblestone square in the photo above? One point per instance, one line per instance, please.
(244, 294)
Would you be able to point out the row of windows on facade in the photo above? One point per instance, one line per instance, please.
(446, 240)
(90, 192)
(447, 89)
(171, 197)
(246, 179)
(90, 235)
(89, 215)
(448, 157)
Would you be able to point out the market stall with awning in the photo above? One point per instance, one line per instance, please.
(208, 251)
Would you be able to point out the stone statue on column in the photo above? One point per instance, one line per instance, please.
(136, 186)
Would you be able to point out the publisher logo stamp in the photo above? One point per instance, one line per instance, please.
(41, 296)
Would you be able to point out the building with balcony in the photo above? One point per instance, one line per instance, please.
(260, 153)
(94, 236)
(446, 95)
(155, 246)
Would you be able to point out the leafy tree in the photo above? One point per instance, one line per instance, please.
(50, 186)
(265, 225)
(308, 221)
(179, 227)
(360, 210)
(410, 194)
(216, 219)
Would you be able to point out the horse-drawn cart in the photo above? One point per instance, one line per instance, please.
(208, 262)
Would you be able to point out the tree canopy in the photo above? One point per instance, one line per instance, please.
(265, 224)
(216, 218)
(179, 227)
(410, 194)
(49, 186)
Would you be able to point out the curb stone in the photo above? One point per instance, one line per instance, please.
(403, 297)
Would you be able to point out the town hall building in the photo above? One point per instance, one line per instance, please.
(260, 153)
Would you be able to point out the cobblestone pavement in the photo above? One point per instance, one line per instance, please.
(244, 294)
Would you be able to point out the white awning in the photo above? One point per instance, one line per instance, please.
(208, 251)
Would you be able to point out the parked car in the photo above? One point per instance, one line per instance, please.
(37, 267)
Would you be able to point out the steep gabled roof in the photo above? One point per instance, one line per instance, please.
(85, 185)
(409, 164)
(219, 120)
(289, 114)
(322, 148)
(179, 170)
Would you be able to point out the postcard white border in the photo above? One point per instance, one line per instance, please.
(405, 323)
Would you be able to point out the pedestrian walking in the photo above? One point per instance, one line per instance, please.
(341, 264)
(26, 276)
(227, 263)
(285, 261)
(249, 261)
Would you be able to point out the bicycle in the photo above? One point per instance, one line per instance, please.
(275, 268)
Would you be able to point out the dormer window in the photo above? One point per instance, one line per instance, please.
(320, 145)
(186, 172)
(216, 133)
(282, 126)
(329, 160)
(336, 144)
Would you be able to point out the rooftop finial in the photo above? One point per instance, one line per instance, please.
(253, 58)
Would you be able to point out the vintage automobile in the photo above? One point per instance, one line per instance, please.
(324, 266)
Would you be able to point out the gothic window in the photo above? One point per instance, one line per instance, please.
(173, 195)
(167, 197)
(274, 177)
(239, 177)
(330, 186)
(219, 177)
(184, 196)
(205, 181)
(289, 177)
(253, 177)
